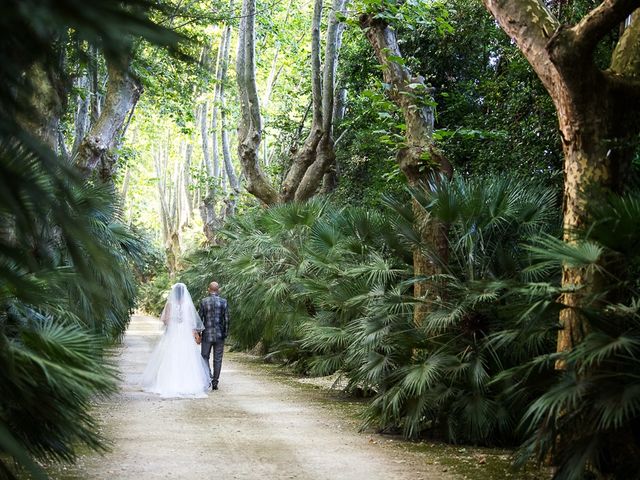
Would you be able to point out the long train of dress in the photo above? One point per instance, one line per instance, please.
(176, 368)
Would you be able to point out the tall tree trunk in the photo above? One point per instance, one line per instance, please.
(418, 160)
(330, 179)
(188, 181)
(213, 220)
(82, 113)
(250, 126)
(274, 73)
(94, 84)
(123, 92)
(203, 119)
(171, 198)
(219, 76)
(234, 182)
(295, 185)
(325, 153)
(306, 155)
(597, 114)
(226, 149)
(231, 198)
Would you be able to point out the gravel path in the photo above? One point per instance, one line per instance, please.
(254, 427)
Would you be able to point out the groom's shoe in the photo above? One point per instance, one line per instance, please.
(214, 386)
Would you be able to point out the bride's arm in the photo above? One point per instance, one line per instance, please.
(166, 314)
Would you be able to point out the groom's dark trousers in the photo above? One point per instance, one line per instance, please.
(218, 350)
(214, 312)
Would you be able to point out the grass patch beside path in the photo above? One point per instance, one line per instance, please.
(470, 463)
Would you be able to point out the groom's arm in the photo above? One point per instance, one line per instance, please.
(201, 311)
(226, 319)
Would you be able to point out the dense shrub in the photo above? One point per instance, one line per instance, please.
(66, 292)
(329, 289)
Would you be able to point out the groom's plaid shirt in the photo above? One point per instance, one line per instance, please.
(214, 312)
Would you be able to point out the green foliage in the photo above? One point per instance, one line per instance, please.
(67, 289)
(492, 113)
(438, 375)
(153, 293)
(329, 290)
(588, 414)
(66, 260)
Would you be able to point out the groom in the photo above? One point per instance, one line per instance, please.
(214, 312)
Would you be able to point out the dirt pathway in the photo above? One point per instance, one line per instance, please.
(252, 428)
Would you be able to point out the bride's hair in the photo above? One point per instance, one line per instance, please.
(179, 291)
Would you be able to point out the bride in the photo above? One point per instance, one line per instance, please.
(176, 368)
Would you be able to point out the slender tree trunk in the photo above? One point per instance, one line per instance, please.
(231, 198)
(273, 75)
(418, 160)
(306, 155)
(82, 113)
(325, 153)
(204, 135)
(216, 169)
(172, 208)
(219, 76)
(188, 181)
(234, 182)
(226, 149)
(250, 127)
(274, 72)
(304, 176)
(330, 179)
(94, 85)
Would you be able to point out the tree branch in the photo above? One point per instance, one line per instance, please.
(599, 21)
(531, 24)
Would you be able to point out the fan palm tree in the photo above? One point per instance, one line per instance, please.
(588, 412)
(66, 293)
(66, 284)
(438, 375)
(330, 289)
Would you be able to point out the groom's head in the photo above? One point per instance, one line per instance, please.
(214, 287)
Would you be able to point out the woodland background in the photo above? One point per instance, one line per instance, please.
(394, 191)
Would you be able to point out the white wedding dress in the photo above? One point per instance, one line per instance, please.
(176, 368)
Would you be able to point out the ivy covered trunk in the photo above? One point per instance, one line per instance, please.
(418, 159)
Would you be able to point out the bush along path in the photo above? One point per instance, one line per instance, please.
(255, 426)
